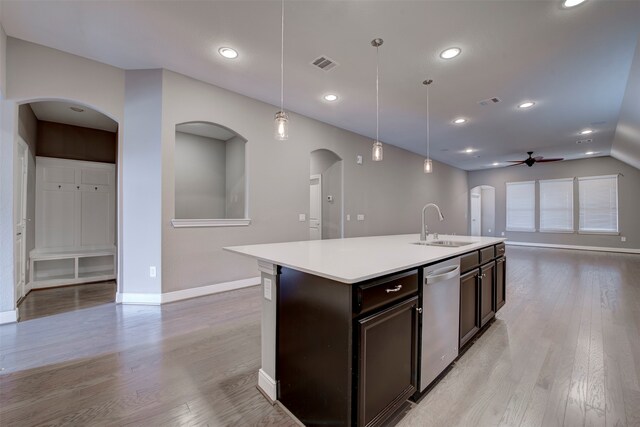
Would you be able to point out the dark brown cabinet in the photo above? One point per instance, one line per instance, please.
(501, 289)
(469, 306)
(387, 361)
(487, 295)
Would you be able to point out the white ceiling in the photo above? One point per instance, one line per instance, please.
(573, 63)
(61, 112)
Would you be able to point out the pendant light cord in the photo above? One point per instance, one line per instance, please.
(377, 95)
(282, 58)
(427, 121)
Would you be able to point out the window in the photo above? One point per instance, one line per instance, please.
(556, 205)
(521, 206)
(598, 204)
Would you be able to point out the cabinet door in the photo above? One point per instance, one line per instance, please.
(487, 296)
(387, 364)
(501, 288)
(469, 305)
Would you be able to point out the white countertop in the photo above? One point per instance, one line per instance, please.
(360, 258)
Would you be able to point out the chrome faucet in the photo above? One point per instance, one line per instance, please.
(424, 232)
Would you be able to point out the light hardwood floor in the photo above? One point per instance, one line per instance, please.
(565, 350)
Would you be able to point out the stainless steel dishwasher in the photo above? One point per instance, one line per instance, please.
(440, 319)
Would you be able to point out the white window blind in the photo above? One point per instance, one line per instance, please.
(521, 206)
(598, 204)
(556, 205)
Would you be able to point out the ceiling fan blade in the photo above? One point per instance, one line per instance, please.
(538, 158)
(515, 161)
(549, 160)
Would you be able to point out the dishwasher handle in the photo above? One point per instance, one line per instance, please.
(442, 274)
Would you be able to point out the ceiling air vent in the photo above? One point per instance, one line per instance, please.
(324, 63)
(489, 101)
(584, 141)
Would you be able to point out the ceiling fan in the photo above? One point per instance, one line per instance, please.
(530, 161)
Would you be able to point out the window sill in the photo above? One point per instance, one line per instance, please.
(601, 233)
(193, 223)
(558, 231)
(522, 230)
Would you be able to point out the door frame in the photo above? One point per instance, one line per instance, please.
(20, 224)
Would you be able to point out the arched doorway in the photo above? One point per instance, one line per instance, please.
(325, 195)
(69, 226)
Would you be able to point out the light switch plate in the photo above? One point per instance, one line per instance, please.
(360, 217)
(267, 289)
(502, 234)
(302, 217)
(348, 217)
(623, 239)
(358, 159)
(152, 271)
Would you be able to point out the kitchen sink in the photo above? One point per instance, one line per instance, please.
(444, 243)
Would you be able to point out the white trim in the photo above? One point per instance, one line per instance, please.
(601, 233)
(10, 316)
(576, 247)
(521, 230)
(267, 385)
(267, 267)
(165, 298)
(191, 223)
(208, 290)
(140, 299)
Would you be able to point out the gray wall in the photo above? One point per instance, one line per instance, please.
(332, 211)
(390, 193)
(235, 178)
(142, 175)
(488, 195)
(628, 200)
(200, 176)
(28, 130)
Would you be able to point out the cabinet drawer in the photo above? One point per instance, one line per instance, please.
(382, 292)
(487, 254)
(469, 261)
(500, 249)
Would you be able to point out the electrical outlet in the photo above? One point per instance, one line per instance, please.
(489, 230)
(623, 239)
(302, 217)
(267, 289)
(360, 217)
(502, 234)
(152, 271)
(348, 217)
(358, 159)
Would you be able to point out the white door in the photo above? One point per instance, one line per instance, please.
(315, 207)
(476, 215)
(20, 209)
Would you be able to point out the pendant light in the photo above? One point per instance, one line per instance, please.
(376, 152)
(282, 118)
(428, 164)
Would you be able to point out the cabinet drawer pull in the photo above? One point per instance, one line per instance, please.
(396, 289)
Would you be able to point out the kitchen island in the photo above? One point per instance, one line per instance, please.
(342, 319)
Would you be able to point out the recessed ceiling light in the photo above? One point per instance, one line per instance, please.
(571, 3)
(228, 53)
(460, 120)
(495, 164)
(527, 104)
(77, 109)
(451, 52)
(469, 150)
(590, 153)
(586, 131)
(330, 97)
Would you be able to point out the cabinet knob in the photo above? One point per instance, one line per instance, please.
(419, 310)
(59, 186)
(78, 187)
(396, 289)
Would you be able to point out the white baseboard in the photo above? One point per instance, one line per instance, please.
(157, 299)
(140, 299)
(267, 385)
(575, 247)
(208, 290)
(10, 316)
